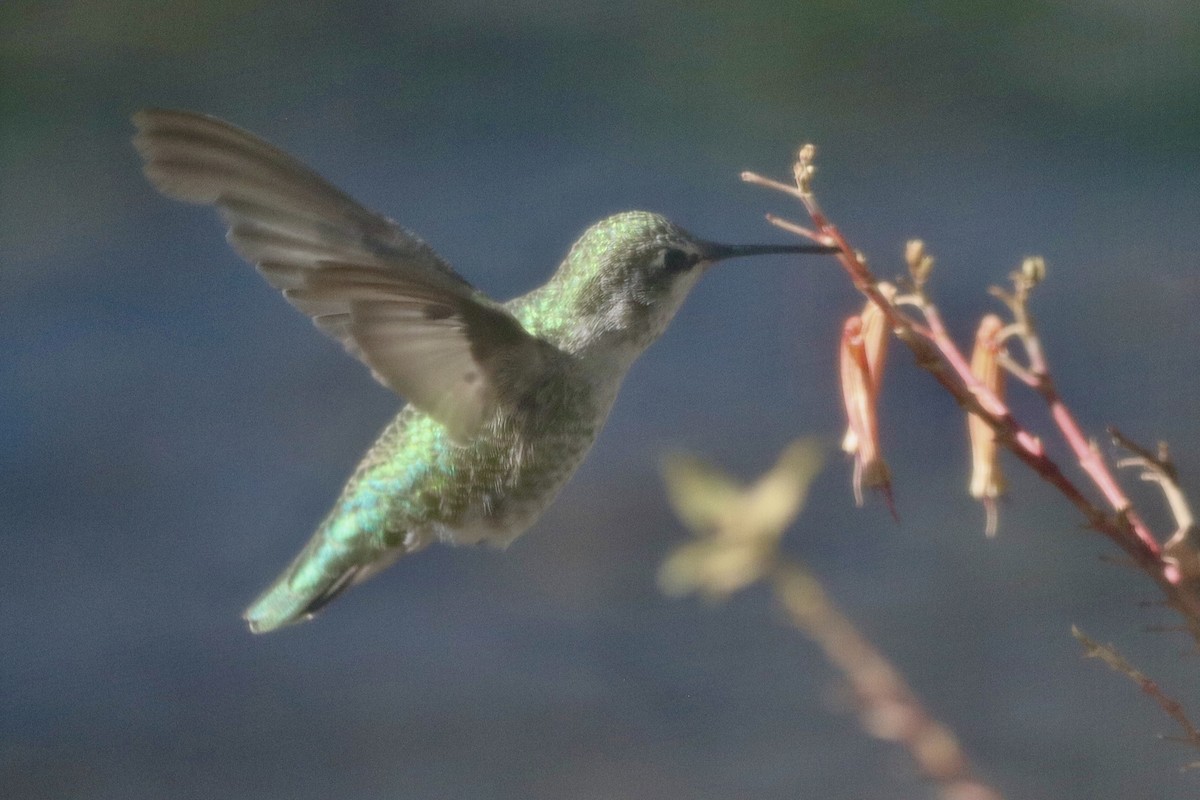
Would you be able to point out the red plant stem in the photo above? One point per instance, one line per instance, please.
(1095, 467)
(993, 404)
(971, 394)
(936, 353)
(1144, 551)
(1141, 547)
(1088, 458)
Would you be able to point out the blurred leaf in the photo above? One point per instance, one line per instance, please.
(780, 494)
(698, 491)
(738, 528)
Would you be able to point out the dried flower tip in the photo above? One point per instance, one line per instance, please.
(1033, 271)
(860, 398)
(987, 481)
(920, 263)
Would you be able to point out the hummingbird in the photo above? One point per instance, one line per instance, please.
(504, 400)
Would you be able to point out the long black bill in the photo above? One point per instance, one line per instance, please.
(718, 252)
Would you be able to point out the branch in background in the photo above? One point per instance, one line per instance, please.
(888, 708)
(738, 529)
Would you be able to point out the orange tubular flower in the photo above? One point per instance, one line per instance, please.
(873, 334)
(987, 481)
(863, 351)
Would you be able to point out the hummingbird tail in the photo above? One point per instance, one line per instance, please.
(323, 570)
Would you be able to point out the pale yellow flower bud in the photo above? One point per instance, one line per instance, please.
(987, 481)
(920, 263)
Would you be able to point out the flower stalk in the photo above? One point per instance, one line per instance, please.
(937, 353)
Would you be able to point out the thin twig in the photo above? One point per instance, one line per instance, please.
(1109, 655)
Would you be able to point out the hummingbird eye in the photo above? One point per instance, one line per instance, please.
(676, 260)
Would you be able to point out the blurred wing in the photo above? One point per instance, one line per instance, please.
(392, 302)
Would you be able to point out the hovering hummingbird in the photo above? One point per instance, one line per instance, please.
(504, 399)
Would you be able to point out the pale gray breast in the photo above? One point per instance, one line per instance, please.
(524, 458)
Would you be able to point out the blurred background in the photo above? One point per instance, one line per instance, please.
(171, 431)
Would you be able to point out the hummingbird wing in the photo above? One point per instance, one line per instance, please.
(424, 331)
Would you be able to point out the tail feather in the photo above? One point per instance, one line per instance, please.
(281, 605)
(323, 570)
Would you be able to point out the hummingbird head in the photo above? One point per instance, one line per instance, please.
(624, 279)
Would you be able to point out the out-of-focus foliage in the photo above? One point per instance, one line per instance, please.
(738, 527)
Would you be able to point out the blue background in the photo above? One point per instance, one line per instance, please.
(171, 431)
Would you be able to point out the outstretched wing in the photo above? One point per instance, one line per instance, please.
(383, 293)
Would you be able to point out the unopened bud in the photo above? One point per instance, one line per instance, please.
(804, 169)
(1033, 271)
(920, 263)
